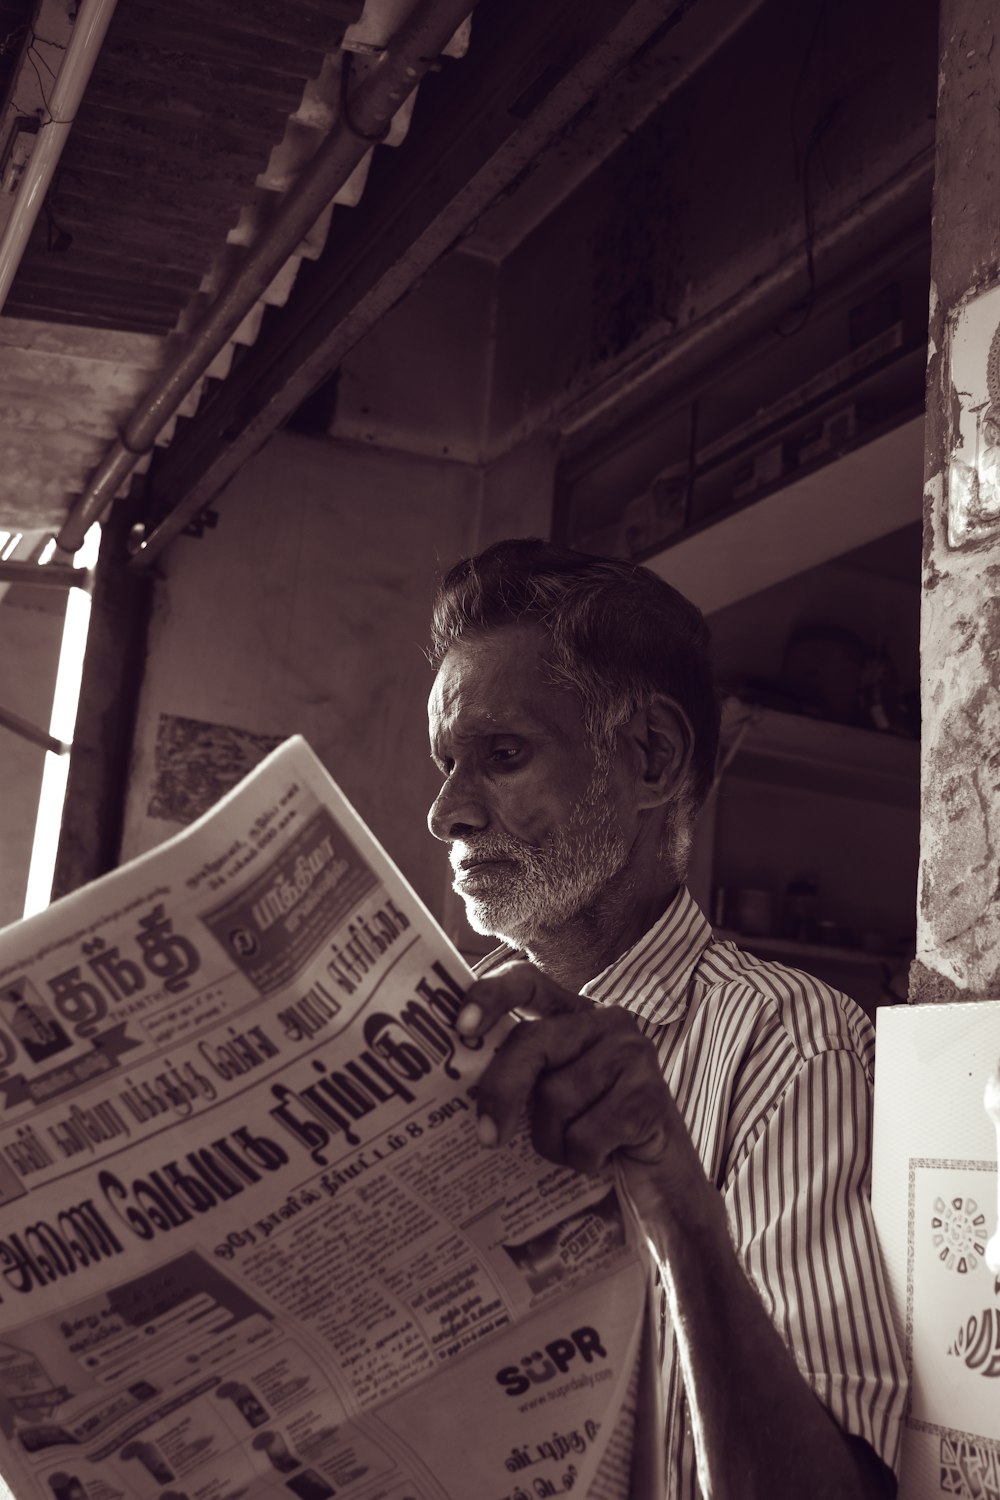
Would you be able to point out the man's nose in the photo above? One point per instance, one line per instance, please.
(457, 810)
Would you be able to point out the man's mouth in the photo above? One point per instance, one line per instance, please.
(478, 869)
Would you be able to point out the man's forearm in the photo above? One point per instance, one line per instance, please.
(760, 1432)
(595, 1092)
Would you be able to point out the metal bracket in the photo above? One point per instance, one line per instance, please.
(51, 576)
(206, 520)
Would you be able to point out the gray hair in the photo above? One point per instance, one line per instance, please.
(617, 634)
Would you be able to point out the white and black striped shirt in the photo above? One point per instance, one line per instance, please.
(772, 1071)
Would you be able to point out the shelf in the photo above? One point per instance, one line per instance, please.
(874, 488)
(764, 744)
(787, 948)
(889, 360)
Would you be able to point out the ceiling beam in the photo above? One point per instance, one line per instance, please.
(531, 69)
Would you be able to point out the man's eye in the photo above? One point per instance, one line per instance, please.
(505, 754)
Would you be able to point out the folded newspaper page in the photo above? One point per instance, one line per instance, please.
(250, 1245)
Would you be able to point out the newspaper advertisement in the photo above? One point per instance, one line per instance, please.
(250, 1245)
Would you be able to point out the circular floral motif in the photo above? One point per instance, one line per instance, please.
(959, 1236)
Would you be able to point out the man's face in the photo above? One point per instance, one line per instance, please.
(537, 823)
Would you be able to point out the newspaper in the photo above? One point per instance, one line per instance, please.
(250, 1245)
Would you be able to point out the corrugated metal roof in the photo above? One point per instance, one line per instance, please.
(184, 106)
(198, 118)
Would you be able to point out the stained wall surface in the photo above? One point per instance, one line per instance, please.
(958, 933)
(305, 611)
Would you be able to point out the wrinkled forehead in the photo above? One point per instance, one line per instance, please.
(498, 678)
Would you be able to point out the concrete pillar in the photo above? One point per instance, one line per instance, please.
(958, 931)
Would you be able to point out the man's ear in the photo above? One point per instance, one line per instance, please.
(661, 743)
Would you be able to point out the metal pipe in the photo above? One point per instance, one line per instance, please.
(630, 379)
(31, 732)
(51, 576)
(82, 48)
(370, 110)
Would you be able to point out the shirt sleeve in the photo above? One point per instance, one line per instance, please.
(799, 1204)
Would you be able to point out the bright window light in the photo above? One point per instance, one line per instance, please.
(11, 545)
(65, 701)
(47, 552)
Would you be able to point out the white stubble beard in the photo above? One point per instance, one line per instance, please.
(547, 887)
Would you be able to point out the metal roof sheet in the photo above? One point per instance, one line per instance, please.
(180, 115)
(198, 118)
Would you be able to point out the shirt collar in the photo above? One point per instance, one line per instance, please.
(653, 978)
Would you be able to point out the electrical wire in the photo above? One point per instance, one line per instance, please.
(801, 311)
(31, 52)
(804, 307)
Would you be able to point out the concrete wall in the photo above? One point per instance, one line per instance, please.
(419, 381)
(305, 611)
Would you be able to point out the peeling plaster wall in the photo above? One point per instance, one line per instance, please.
(305, 611)
(958, 923)
(958, 935)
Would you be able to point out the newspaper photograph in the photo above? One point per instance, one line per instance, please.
(250, 1244)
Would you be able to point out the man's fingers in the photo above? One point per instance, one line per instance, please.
(517, 986)
(583, 1070)
(610, 1100)
(626, 1121)
(542, 1049)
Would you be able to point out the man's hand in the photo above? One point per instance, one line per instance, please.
(593, 1089)
(591, 1084)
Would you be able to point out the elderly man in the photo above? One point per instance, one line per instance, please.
(575, 722)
